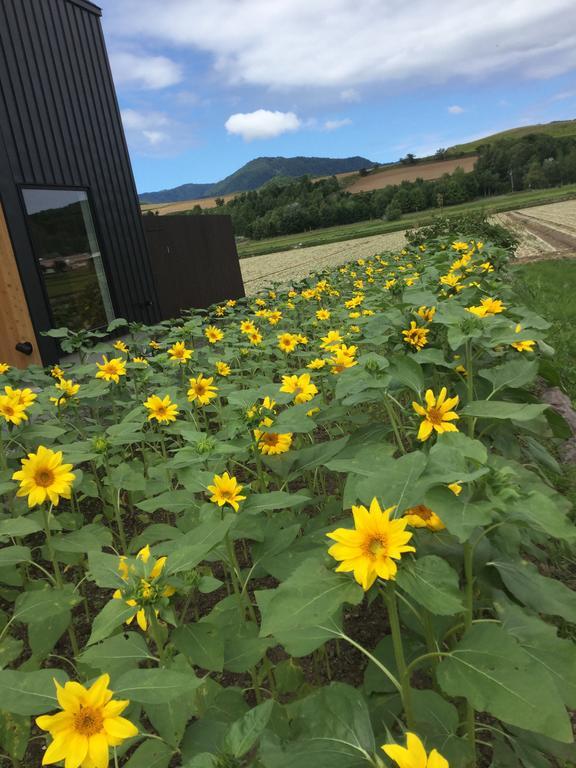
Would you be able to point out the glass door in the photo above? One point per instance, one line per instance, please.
(69, 257)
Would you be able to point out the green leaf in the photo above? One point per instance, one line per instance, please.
(202, 643)
(41, 604)
(543, 595)
(406, 372)
(541, 513)
(513, 374)
(393, 483)
(497, 676)
(90, 537)
(112, 616)
(155, 686)
(151, 754)
(30, 693)
(541, 642)
(293, 419)
(119, 652)
(259, 502)
(14, 734)
(13, 555)
(189, 550)
(244, 733)
(460, 516)
(308, 598)
(500, 409)
(433, 583)
(19, 526)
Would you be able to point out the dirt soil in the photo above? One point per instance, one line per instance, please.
(426, 171)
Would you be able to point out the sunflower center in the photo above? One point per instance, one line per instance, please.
(44, 478)
(424, 512)
(9, 410)
(200, 389)
(378, 545)
(270, 438)
(434, 415)
(88, 721)
(161, 410)
(226, 494)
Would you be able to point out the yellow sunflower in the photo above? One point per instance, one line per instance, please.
(179, 353)
(161, 409)
(416, 336)
(223, 369)
(4, 368)
(87, 727)
(12, 411)
(272, 443)
(23, 397)
(370, 550)
(413, 755)
(44, 476)
(226, 490)
(422, 516)
(438, 414)
(111, 370)
(300, 386)
(213, 334)
(287, 342)
(202, 390)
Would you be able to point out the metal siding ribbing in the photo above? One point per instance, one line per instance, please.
(60, 124)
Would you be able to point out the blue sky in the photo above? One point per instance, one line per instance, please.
(206, 85)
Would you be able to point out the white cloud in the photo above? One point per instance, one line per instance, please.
(333, 125)
(155, 133)
(148, 72)
(262, 124)
(350, 95)
(455, 110)
(342, 44)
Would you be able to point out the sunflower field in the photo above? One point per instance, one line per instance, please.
(317, 528)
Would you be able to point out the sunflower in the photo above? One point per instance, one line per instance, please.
(161, 409)
(87, 727)
(416, 336)
(202, 390)
(413, 755)
(4, 368)
(426, 313)
(487, 308)
(332, 339)
(12, 411)
(422, 516)
(323, 314)
(146, 589)
(287, 342)
(274, 317)
(316, 364)
(226, 490)
(120, 346)
(213, 334)
(299, 386)
(179, 353)
(438, 414)
(141, 360)
(456, 488)
(153, 344)
(111, 370)
(44, 476)
(23, 397)
(272, 443)
(369, 551)
(342, 358)
(247, 327)
(223, 369)
(255, 337)
(68, 387)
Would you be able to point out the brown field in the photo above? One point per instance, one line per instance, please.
(399, 173)
(165, 209)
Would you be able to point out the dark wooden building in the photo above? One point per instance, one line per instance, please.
(72, 246)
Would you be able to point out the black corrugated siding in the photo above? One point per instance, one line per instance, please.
(60, 126)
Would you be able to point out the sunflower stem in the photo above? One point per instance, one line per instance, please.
(470, 384)
(468, 619)
(394, 422)
(403, 672)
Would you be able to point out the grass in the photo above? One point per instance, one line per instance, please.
(545, 286)
(557, 129)
(337, 234)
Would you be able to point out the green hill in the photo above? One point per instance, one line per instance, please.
(256, 173)
(558, 128)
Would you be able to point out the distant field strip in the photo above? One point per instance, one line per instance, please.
(286, 266)
(259, 272)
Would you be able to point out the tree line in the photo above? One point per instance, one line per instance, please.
(286, 206)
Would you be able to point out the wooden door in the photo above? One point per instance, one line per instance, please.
(15, 323)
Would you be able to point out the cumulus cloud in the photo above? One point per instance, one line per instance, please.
(333, 125)
(455, 110)
(148, 72)
(155, 133)
(342, 44)
(262, 124)
(350, 95)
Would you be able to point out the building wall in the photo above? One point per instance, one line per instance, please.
(60, 126)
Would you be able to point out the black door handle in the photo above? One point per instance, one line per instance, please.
(25, 347)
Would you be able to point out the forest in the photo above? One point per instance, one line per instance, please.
(285, 206)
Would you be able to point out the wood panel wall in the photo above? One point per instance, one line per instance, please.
(15, 323)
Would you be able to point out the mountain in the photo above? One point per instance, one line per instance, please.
(256, 173)
(557, 128)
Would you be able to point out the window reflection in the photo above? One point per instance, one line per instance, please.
(69, 257)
